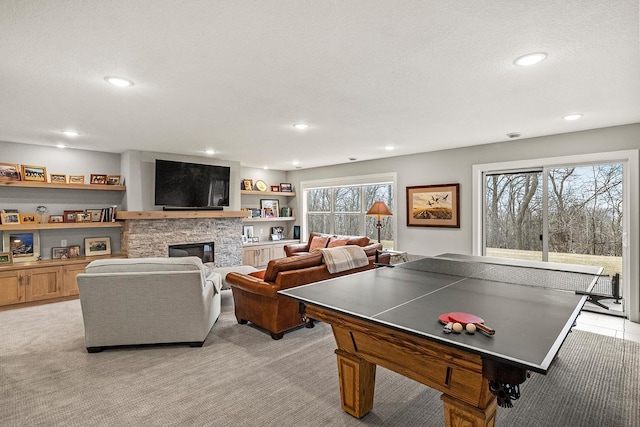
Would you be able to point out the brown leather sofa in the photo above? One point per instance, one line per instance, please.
(320, 240)
(256, 299)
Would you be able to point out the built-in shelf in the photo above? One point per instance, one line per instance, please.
(33, 184)
(280, 218)
(267, 193)
(59, 225)
(129, 215)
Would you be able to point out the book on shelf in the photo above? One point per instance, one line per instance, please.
(286, 212)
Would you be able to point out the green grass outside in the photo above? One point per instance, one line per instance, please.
(611, 264)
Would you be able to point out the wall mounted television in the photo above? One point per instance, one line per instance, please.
(191, 186)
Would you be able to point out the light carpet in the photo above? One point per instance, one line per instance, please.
(241, 377)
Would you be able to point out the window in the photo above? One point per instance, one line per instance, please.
(340, 207)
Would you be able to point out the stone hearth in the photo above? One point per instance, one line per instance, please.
(152, 237)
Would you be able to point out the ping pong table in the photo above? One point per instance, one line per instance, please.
(389, 317)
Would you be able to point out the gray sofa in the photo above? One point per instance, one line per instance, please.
(130, 301)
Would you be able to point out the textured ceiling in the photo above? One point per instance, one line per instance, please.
(235, 75)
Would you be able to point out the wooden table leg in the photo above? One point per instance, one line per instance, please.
(457, 413)
(357, 379)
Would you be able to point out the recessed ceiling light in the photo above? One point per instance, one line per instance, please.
(118, 81)
(389, 147)
(574, 116)
(61, 146)
(265, 167)
(209, 152)
(70, 133)
(514, 135)
(530, 59)
(301, 125)
(295, 163)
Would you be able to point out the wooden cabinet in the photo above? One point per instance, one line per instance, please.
(11, 287)
(69, 278)
(259, 255)
(43, 283)
(33, 284)
(38, 282)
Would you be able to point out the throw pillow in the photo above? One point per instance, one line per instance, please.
(258, 274)
(318, 243)
(337, 242)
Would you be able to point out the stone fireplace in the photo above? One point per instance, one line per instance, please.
(149, 234)
(205, 250)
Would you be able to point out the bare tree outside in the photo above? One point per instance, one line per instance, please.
(342, 210)
(584, 214)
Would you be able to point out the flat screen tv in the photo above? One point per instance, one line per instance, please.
(181, 185)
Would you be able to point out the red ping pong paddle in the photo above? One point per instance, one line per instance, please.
(466, 318)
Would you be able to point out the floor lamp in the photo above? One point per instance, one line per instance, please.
(379, 209)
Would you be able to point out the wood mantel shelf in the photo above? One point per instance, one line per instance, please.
(129, 215)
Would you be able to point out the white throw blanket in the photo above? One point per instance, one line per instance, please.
(344, 258)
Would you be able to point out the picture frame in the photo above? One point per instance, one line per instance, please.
(94, 246)
(270, 208)
(96, 214)
(58, 178)
(247, 230)
(247, 184)
(28, 218)
(74, 251)
(255, 239)
(275, 189)
(34, 173)
(59, 252)
(261, 185)
(285, 187)
(113, 179)
(23, 245)
(433, 206)
(83, 217)
(76, 179)
(6, 258)
(9, 172)
(99, 179)
(10, 218)
(56, 218)
(275, 237)
(70, 216)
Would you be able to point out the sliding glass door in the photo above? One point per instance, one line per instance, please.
(571, 214)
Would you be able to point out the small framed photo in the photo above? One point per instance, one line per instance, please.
(94, 246)
(10, 218)
(286, 187)
(56, 218)
(113, 179)
(23, 245)
(247, 230)
(255, 239)
(433, 206)
(70, 216)
(96, 214)
(247, 184)
(9, 172)
(61, 252)
(275, 189)
(76, 179)
(270, 208)
(275, 237)
(28, 218)
(34, 173)
(74, 251)
(58, 178)
(83, 217)
(98, 179)
(6, 258)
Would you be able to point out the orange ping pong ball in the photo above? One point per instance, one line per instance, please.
(471, 328)
(457, 328)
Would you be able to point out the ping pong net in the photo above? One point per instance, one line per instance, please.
(502, 271)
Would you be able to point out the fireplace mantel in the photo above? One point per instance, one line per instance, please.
(128, 215)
